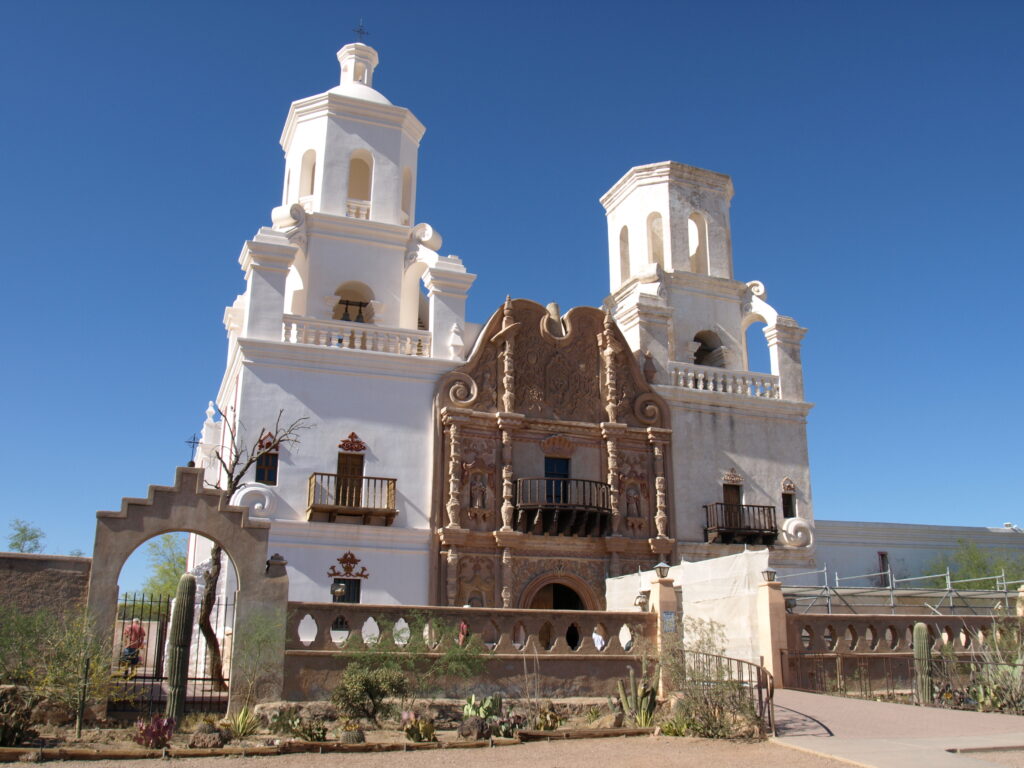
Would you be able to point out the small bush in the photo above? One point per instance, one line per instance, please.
(15, 719)
(364, 692)
(488, 708)
(155, 734)
(717, 710)
(508, 725)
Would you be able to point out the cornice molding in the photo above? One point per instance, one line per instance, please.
(665, 172)
(329, 104)
(726, 401)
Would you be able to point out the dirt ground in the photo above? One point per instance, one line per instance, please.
(612, 752)
(1011, 757)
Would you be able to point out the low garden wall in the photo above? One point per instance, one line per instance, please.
(31, 583)
(528, 652)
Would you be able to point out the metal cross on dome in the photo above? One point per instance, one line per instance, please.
(360, 31)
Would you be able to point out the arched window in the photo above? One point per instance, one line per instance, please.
(758, 358)
(624, 254)
(710, 352)
(407, 196)
(697, 233)
(355, 303)
(308, 176)
(360, 176)
(655, 240)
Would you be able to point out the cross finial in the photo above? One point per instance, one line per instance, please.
(360, 31)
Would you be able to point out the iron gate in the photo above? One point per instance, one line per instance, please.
(138, 665)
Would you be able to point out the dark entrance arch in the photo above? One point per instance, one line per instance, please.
(556, 597)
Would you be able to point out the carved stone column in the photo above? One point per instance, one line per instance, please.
(454, 476)
(506, 423)
(452, 580)
(504, 339)
(611, 432)
(506, 578)
(660, 516)
(609, 350)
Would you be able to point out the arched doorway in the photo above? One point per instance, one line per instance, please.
(556, 596)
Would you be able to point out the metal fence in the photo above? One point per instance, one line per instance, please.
(753, 681)
(139, 660)
(825, 591)
(956, 683)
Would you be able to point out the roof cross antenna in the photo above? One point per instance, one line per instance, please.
(193, 441)
(360, 31)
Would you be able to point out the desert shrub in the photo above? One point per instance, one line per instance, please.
(487, 708)
(709, 703)
(48, 654)
(15, 718)
(364, 691)
(639, 697)
(507, 726)
(156, 734)
(713, 710)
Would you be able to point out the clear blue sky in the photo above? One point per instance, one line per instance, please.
(875, 148)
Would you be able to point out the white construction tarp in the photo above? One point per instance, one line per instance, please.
(724, 590)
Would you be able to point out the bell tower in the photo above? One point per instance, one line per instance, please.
(672, 288)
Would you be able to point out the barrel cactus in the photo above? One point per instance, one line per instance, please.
(179, 640)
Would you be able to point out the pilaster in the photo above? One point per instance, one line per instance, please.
(266, 260)
(784, 341)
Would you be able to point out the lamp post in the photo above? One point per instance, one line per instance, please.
(768, 575)
(661, 569)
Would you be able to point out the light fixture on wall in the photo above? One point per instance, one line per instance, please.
(768, 574)
(640, 601)
(338, 590)
(661, 569)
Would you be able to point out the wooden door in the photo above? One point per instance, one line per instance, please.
(732, 496)
(350, 480)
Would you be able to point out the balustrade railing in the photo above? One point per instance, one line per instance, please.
(342, 335)
(727, 523)
(562, 506)
(334, 627)
(336, 495)
(708, 379)
(885, 634)
(357, 209)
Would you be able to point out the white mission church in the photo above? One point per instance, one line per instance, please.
(517, 460)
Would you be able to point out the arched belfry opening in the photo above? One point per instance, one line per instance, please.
(355, 303)
(307, 176)
(697, 234)
(655, 240)
(624, 254)
(710, 351)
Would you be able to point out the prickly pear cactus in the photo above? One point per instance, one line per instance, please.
(179, 640)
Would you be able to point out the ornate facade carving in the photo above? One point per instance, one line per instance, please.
(788, 486)
(732, 477)
(352, 444)
(558, 445)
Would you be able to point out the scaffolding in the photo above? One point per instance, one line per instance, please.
(882, 592)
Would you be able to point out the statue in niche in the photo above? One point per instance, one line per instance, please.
(477, 492)
(633, 503)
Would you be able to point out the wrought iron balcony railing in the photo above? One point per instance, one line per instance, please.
(562, 507)
(740, 523)
(372, 499)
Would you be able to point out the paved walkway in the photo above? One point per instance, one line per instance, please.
(882, 735)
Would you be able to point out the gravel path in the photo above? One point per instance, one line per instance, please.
(609, 753)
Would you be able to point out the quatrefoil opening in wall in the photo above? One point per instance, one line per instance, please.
(348, 563)
(352, 444)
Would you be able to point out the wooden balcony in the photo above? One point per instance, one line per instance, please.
(740, 524)
(359, 500)
(562, 507)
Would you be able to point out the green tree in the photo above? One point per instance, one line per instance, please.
(969, 561)
(25, 537)
(167, 557)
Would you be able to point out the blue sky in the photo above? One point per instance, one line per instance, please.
(875, 148)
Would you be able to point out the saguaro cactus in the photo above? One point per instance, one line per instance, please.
(179, 640)
(922, 664)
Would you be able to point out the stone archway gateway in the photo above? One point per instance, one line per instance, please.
(190, 506)
(561, 592)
